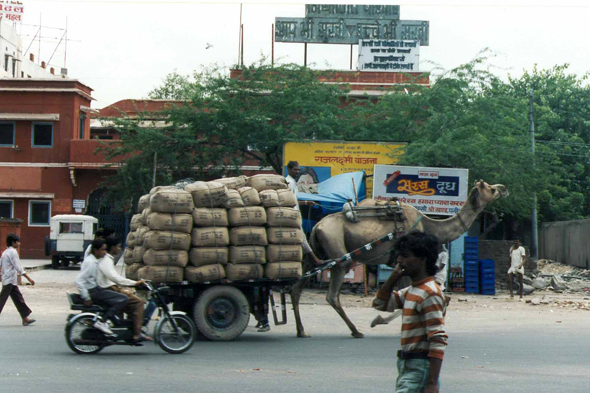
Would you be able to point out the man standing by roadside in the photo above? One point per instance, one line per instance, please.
(517, 261)
(11, 267)
(423, 337)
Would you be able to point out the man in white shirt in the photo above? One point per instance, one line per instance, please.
(108, 278)
(517, 261)
(293, 173)
(99, 234)
(87, 285)
(11, 267)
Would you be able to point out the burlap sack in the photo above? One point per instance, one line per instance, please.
(274, 198)
(282, 270)
(284, 235)
(135, 222)
(204, 273)
(207, 194)
(139, 234)
(130, 239)
(247, 254)
(138, 253)
(143, 203)
(158, 240)
(128, 256)
(210, 237)
(200, 256)
(171, 201)
(233, 199)
(161, 188)
(248, 236)
(170, 222)
(204, 217)
(232, 183)
(245, 271)
(131, 271)
(283, 217)
(267, 182)
(251, 215)
(166, 258)
(161, 273)
(280, 253)
(144, 215)
(249, 196)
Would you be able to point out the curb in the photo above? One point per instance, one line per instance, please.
(37, 268)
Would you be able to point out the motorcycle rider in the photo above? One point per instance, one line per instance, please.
(90, 291)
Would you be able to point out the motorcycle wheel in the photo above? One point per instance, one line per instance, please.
(174, 340)
(81, 336)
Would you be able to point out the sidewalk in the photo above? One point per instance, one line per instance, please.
(36, 264)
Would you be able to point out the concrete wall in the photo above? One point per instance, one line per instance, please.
(566, 242)
(499, 251)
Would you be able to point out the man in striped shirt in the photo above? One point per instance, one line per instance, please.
(423, 337)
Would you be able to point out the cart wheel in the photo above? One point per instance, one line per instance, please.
(55, 262)
(65, 262)
(221, 313)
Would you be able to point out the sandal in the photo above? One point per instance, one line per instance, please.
(141, 338)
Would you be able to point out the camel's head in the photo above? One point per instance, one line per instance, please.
(487, 193)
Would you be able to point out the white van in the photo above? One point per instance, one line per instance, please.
(69, 237)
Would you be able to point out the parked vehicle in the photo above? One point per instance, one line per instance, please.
(69, 237)
(174, 332)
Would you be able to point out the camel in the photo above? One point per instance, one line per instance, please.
(335, 236)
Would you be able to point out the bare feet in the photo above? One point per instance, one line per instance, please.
(28, 321)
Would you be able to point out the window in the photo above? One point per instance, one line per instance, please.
(70, 227)
(6, 209)
(42, 135)
(7, 134)
(81, 126)
(39, 213)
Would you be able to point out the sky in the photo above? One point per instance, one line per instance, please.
(123, 49)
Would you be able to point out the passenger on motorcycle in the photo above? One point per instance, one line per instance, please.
(91, 292)
(108, 278)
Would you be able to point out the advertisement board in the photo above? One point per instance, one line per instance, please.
(389, 55)
(11, 10)
(320, 160)
(441, 191)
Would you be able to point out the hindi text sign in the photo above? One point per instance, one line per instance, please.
(389, 55)
(11, 10)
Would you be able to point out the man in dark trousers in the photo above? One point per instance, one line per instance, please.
(11, 268)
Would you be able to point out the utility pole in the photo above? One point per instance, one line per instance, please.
(535, 240)
(155, 166)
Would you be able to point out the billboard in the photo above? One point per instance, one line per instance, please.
(441, 191)
(11, 10)
(320, 160)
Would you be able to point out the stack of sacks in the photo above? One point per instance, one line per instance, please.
(248, 239)
(136, 225)
(210, 237)
(165, 241)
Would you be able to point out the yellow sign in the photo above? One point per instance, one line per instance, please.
(321, 160)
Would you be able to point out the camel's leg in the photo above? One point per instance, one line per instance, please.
(296, 291)
(333, 297)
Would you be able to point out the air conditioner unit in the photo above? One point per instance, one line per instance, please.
(64, 71)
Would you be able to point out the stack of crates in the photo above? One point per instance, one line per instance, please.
(471, 264)
(487, 277)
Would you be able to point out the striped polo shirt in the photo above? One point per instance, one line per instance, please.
(424, 308)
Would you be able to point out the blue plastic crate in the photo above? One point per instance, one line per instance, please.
(471, 289)
(471, 281)
(487, 263)
(487, 276)
(491, 282)
(471, 240)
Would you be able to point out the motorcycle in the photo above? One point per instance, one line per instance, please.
(174, 332)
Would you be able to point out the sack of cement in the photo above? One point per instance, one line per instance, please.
(128, 256)
(130, 239)
(171, 201)
(284, 252)
(282, 270)
(170, 222)
(138, 254)
(207, 194)
(248, 236)
(158, 240)
(244, 271)
(166, 258)
(249, 196)
(232, 183)
(200, 256)
(143, 203)
(210, 237)
(251, 215)
(131, 270)
(204, 273)
(247, 254)
(144, 215)
(277, 235)
(274, 198)
(267, 182)
(233, 199)
(161, 188)
(205, 217)
(139, 234)
(161, 273)
(283, 217)
(135, 222)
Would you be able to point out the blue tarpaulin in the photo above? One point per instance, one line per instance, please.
(338, 189)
